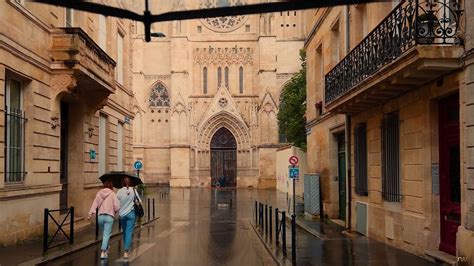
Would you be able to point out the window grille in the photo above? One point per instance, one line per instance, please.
(14, 133)
(390, 158)
(159, 96)
(360, 153)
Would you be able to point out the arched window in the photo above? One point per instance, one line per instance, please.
(204, 80)
(241, 80)
(159, 96)
(226, 76)
(219, 77)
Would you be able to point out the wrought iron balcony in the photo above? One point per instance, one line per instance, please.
(413, 23)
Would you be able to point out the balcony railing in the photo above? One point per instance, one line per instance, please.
(412, 22)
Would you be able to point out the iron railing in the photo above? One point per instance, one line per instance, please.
(412, 22)
(69, 238)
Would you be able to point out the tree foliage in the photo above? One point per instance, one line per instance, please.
(291, 115)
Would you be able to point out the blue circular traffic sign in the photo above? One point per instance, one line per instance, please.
(138, 165)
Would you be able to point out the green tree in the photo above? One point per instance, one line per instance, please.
(291, 116)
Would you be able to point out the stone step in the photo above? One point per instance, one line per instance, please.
(441, 257)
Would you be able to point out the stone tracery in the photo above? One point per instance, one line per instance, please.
(223, 56)
(159, 96)
(223, 24)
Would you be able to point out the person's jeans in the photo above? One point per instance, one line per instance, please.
(105, 224)
(128, 223)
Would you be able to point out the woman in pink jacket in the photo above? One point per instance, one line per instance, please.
(108, 205)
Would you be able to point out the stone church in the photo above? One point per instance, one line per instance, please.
(206, 95)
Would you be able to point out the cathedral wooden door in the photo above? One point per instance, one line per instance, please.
(223, 159)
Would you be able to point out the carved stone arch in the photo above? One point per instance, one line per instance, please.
(159, 95)
(224, 119)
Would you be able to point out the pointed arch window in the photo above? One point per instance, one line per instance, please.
(226, 76)
(219, 77)
(241, 80)
(159, 96)
(204, 80)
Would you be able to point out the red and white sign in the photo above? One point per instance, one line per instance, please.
(293, 160)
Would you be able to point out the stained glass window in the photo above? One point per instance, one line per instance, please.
(226, 75)
(241, 80)
(219, 77)
(159, 96)
(204, 80)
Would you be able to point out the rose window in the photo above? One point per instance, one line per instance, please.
(223, 24)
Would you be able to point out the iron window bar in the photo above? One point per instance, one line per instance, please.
(14, 153)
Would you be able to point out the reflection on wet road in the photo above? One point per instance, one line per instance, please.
(196, 227)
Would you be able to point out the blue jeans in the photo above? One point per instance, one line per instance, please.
(105, 224)
(128, 223)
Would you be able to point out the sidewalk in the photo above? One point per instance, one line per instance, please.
(327, 244)
(31, 252)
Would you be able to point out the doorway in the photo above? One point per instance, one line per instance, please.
(449, 169)
(223, 159)
(341, 168)
(63, 165)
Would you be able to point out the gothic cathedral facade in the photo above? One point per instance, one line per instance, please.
(207, 96)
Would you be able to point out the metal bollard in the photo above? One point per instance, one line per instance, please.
(270, 222)
(71, 227)
(45, 230)
(276, 226)
(153, 208)
(148, 208)
(97, 223)
(283, 232)
(293, 238)
(266, 219)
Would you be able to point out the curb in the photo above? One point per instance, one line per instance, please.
(307, 229)
(73, 249)
(286, 261)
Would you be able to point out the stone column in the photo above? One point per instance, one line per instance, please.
(465, 235)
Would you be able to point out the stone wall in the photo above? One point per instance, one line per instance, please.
(29, 60)
(413, 223)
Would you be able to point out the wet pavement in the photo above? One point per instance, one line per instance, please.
(214, 227)
(196, 227)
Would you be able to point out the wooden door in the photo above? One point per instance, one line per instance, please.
(449, 168)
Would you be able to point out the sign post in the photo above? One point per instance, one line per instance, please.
(294, 173)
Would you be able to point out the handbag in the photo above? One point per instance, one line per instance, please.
(137, 206)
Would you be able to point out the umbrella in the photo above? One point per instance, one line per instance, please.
(117, 176)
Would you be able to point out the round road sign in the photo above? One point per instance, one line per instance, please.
(293, 160)
(138, 165)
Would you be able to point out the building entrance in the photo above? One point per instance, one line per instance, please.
(223, 159)
(449, 169)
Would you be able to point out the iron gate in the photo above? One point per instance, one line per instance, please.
(223, 159)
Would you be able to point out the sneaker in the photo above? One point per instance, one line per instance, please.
(126, 255)
(103, 255)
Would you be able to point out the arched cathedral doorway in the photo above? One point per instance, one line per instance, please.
(223, 159)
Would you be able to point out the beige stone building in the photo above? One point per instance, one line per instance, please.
(206, 96)
(395, 80)
(65, 94)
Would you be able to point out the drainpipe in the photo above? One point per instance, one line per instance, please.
(348, 136)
